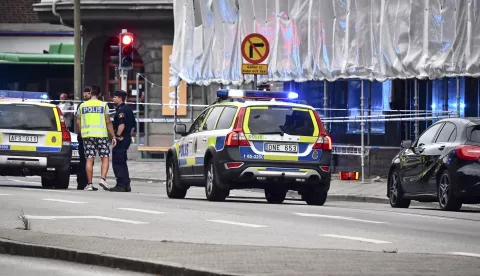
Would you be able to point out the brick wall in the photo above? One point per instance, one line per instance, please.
(18, 11)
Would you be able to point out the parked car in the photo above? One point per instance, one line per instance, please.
(75, 161)
(441, 165)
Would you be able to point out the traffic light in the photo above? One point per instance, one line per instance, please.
(115, 54)
(126, 51)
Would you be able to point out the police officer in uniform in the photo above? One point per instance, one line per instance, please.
(123, 125)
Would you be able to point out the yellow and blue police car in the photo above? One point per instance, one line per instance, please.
(252, 139)
(34, 140)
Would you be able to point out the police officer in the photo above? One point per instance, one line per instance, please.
(123, 125)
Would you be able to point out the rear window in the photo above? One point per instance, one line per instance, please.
(27, 117)
(473, 133)
(277, 120)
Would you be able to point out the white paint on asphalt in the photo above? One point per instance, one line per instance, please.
(355, 239)
(339, 217)
(466, 254)
(142, 211)
(63, 201)
(21, 181)
(237, 223)
(422, 216)
(85, 217)
(45, 190)
(5, 194)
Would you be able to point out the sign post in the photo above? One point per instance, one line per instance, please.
(255, 50)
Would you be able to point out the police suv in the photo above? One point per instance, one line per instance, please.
(252, 139)
(34, 140)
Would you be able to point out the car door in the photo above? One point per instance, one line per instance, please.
(202, 139)
(412, 160)
(187, 147)
(434, 153)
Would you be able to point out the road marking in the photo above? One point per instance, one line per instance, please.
(142, 211)
(5, 194)
(422, 216)
(355, 239)
(21, 181)
(46, 190)
(237, 223)
(63, 201)
(85, 217)
(339, 217)
(465, 254)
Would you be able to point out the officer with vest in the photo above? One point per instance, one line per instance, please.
(123, 125)
(95, 126)
(82, 180)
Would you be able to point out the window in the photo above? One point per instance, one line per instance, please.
(226, 118)
(27, 117)
(278, 120)
(212, 118)
(446, 133)
(453, 137)
(448, 85)
(428, 135)
(473, 133)
(198, 122)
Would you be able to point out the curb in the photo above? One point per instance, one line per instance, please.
(92, 258)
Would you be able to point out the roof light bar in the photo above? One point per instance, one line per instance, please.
(256, 94)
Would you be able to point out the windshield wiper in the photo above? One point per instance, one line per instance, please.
(273, 132)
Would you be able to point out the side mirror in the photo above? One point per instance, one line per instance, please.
(406, 144)
(181, 129)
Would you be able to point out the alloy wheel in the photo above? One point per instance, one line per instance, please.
(444, 190)
(170, 178)
(210, 179)
(394, 189)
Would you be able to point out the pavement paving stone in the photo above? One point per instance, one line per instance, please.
(252, 260)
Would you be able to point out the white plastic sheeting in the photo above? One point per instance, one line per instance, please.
(327, 39)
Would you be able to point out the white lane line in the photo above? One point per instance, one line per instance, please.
(237, 223)
(46, 190)
(21, 181)
(63, 201)
(465, 254)
(355, 239)
(85, 217)
(422, 216)
(141, 211)
(338, 217)
(5, 194)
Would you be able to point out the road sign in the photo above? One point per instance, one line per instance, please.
(255, 48)
(255, 69)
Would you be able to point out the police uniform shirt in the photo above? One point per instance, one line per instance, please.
(121, 117)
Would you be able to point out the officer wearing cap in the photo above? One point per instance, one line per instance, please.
(123, 125)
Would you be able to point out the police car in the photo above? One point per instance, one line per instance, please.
(252, 139)
(34, 140)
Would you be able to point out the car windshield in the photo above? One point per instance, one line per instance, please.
(281, 120)
(27, 117)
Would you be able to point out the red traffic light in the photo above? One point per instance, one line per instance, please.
(127, 39)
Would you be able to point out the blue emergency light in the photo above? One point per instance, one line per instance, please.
(256, 94)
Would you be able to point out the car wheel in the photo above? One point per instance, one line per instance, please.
(446, 198)
(62, 178)
(275, 196)
(317, 198)
(173, 180)
(396, 193)
(212, 191)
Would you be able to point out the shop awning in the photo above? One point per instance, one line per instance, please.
(58, 54)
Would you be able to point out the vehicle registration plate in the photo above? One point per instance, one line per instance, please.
(291, 148)
(75, 153)
(23, 138)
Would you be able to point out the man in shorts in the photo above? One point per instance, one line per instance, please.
(95, 126)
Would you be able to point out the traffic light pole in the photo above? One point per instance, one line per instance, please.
(123, 78)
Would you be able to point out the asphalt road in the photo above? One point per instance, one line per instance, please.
(244, 219)
(25, 266)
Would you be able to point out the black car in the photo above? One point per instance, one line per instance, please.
(441, 165)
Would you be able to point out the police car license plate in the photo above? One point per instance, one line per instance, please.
(291, 148)
(23, 138)
(75, 153)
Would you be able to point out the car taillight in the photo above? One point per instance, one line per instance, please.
(237, 138)
(233, 165)
(66, 138)
(467, 152)
(324, 142)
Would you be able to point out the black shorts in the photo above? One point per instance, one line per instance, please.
(94, 144)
